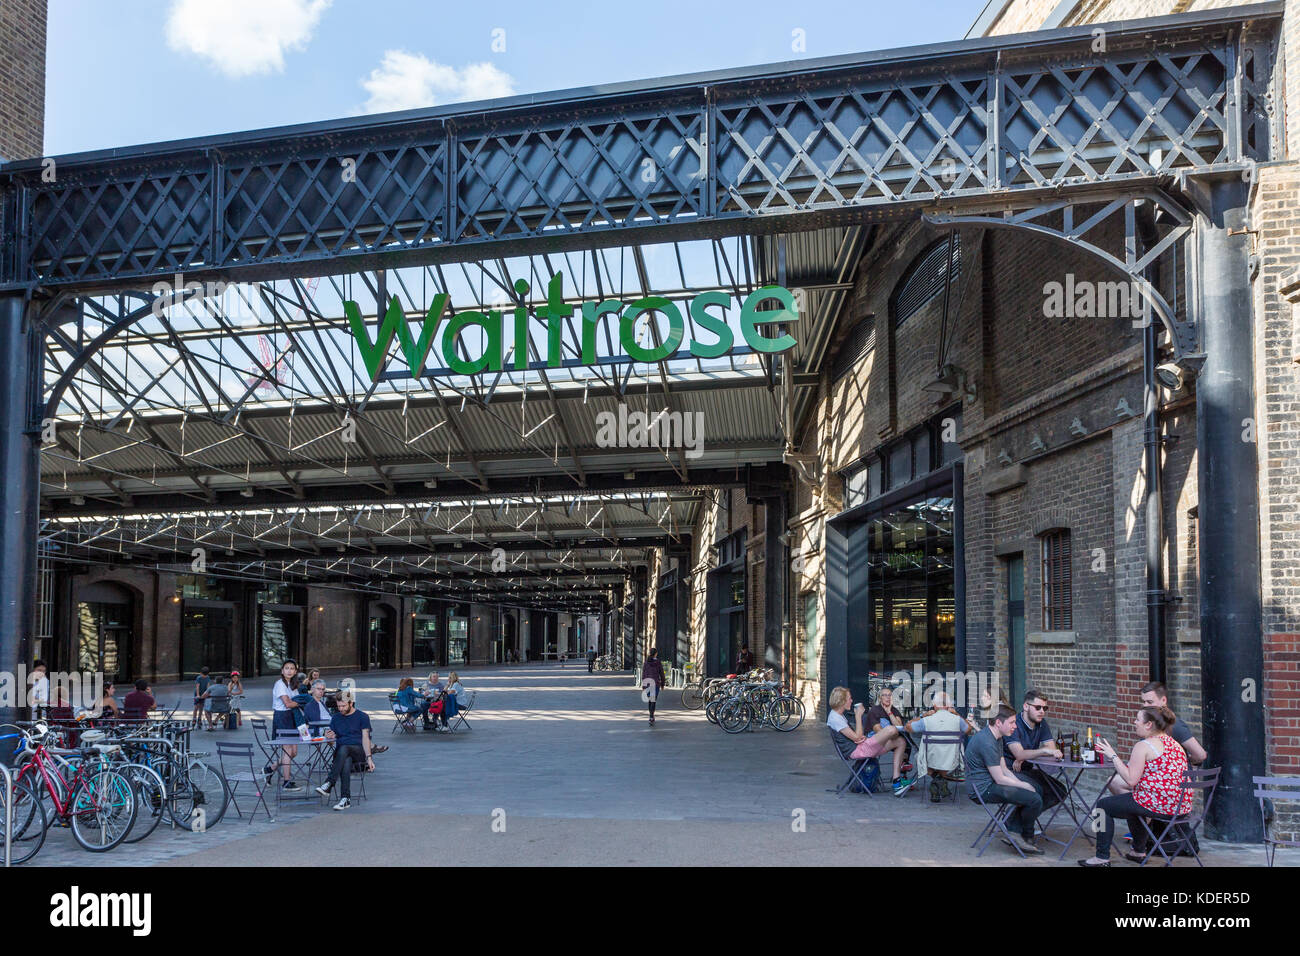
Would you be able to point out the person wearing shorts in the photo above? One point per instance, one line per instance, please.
(283, 705)
(867, 746)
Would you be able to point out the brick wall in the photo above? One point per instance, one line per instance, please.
(22, 78)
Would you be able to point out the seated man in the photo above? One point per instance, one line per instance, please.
(939, 760)
(139, 702)
(1155, 695)
(216, 702)
(884, 718)
(865, 746)
(350, 731)
(987, 774)
(1032, 738)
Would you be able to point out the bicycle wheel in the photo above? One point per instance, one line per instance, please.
(735, 716)
(29, 822)
(102, 810)
(151, 797)
(201, 797)
(711, 709)
(692, 697)
(787, 713)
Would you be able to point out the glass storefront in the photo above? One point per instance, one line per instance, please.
(457, 640)
(910, 584)
(897, 554)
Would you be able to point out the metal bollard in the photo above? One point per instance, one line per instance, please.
(9, 813)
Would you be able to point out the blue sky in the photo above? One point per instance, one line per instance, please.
(139, 71)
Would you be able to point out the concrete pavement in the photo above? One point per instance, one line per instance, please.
(561, 767)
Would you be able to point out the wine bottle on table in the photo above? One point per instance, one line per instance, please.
(1075, 754)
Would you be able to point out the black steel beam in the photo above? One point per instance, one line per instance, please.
(475, 180)
(408, 491)
(19, 465)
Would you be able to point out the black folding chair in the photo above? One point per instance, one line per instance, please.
(238, 754)
(997, 821)
(1184, 838)
(462, 710)
(1269, 789)
(938, 738)
(858, 776)
(404, 720)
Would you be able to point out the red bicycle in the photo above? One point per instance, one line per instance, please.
(95, 801)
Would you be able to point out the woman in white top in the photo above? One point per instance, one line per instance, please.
(455, 698)
(282, 707)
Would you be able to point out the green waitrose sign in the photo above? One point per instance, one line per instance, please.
(496, 324)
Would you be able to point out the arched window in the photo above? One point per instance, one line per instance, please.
(925, 279)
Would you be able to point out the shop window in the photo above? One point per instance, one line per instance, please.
(1057, 611)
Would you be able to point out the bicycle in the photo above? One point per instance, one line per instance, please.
(195, 795)
(694, 694)
(764, 702)
(98, 803)
(28, 822)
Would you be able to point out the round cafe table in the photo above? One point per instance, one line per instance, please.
(1061, 770)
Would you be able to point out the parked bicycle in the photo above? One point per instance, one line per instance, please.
(95, 800)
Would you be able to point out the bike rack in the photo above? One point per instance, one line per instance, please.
(9, 812)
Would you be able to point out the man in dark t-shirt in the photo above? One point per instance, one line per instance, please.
(350, 731)
(1155, 695)
(987, 773)
(139, 702)
(1032, 738)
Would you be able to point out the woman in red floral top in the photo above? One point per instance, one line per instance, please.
(1155, 772)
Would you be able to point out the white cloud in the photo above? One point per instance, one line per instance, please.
(243, 37)
(405, 81)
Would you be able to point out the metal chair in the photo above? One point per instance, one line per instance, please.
(1270, 789)
(462, 710)
(1193, 780)
(238, 754)
(857, 769)
(403, 719)
(997, 821)
(938, 738)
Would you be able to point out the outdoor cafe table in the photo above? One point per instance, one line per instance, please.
(1061, 770)
(316, 758)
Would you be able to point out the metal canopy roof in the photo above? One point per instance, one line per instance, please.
(244, 423)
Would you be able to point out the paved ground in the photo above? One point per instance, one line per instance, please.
(561, 767)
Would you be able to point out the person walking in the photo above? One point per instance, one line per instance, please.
(652, 681)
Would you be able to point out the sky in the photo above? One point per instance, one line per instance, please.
(126, 72)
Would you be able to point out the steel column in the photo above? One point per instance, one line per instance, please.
(20, 458)
(775, 582)
(1227, 471)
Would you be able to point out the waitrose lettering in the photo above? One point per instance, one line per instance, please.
(496, 325)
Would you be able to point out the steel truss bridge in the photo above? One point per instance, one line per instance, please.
(159, 429)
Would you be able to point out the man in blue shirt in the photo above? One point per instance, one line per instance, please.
(350, 731)
(1031, 739)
